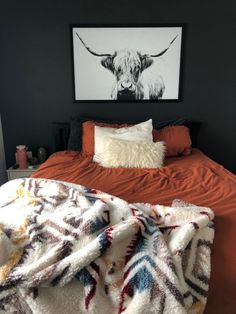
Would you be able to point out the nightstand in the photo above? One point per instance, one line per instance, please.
(20, 173)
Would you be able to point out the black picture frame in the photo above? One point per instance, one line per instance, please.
(96, 70)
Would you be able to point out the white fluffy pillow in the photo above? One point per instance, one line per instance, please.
(138, 132)
(127, 154)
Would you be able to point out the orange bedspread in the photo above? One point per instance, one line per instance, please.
(195, 179)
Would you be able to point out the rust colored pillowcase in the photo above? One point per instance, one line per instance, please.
(88, 135)
(177, 139)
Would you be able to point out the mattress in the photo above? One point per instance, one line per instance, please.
(195, 179)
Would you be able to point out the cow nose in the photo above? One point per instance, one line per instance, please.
(127, 85)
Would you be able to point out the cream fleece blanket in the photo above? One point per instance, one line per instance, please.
(67, 249)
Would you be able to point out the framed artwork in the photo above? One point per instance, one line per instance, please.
(127, 63)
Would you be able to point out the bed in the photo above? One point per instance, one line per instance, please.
(192, 177)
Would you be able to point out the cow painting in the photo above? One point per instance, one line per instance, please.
(132, 81)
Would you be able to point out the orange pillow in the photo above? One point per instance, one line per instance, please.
(177, 139)
(88, 134)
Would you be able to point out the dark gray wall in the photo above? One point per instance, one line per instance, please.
(36, 68)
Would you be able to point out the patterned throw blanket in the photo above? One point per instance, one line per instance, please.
(67, 249)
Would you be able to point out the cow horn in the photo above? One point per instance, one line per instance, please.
(92, 52)
(162, 52)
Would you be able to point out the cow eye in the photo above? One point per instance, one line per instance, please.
(135, 70)
(118, 70)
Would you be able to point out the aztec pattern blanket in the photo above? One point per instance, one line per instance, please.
(67, 249)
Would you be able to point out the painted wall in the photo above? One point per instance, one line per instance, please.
(36, 68)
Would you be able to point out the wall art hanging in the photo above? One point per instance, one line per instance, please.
(127, 63)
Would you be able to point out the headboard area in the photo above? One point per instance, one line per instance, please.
(62, 130)
(61, 133)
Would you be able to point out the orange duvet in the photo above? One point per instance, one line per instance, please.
(194, 178)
